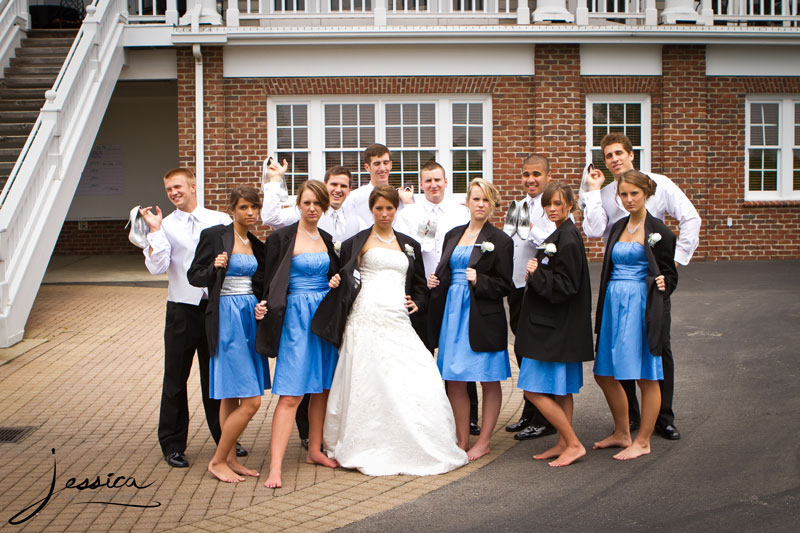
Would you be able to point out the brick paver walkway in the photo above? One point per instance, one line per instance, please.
(92, 392)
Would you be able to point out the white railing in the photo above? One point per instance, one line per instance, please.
(39, 190)
(583, 12)
(14, 20)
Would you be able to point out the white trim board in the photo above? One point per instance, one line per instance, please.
(391, 60)
(620, 60)
(728, 60)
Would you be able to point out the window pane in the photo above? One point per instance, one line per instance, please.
(350, 114)
(393, 114)
(476, 113)
(764, 124)
(393, 137)
(427, 114)
(600, 113)
(332, 138)
(633, 113)
(612, 117)
(349, 128)
(475, 136)
(459, 113)
(459, 135)
(763, 171)
(284, 115)
(332, 115)
(796, 173)
(797, 124)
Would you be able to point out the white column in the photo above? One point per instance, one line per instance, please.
(679, 10)
(650, 13)
(552, 10)
(523, 14)
(379, 12)
(172, 12)
(232, 13)
(208, 13)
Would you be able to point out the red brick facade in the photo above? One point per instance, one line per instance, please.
(697, 136)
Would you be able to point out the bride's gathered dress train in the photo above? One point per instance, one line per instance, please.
(387, 410)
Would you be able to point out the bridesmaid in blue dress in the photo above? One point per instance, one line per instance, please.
(467, 319)
(629, 323)
(300, 260)
(228, 262)
(554, 334)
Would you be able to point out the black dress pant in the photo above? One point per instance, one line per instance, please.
(665, 416)
(529, 411)
(301, 416)
(184, 334)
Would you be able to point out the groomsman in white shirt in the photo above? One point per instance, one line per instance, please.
(173, 240)
(535, 178)
(340, 221)
(601, 209)
(428, 221)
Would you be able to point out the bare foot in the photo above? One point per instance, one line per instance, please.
(223, 472)
(242, 470)
(477, 451)
(569, 456)
(616, 440)
(316, 457)
(274, 480)
(463, 445)
(633, 451)
(555, 451)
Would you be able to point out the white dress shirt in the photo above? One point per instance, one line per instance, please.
(173, 250)
(525, 249)
(341, 223)
(413, 218)
(603, 208)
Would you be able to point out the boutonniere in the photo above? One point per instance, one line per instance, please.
(410, 251)
(653, 238)
(549, 249)
(486, 246)
(337, 248)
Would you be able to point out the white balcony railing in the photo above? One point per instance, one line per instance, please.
(447, 12)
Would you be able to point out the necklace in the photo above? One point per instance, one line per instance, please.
(471, 235)
(312, 237)
(384, 241)
(244, 240)
(632, 231)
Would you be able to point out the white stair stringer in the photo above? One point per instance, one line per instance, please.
(40, 188)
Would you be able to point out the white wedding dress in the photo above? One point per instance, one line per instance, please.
(387, 410)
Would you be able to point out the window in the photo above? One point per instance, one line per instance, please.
(313, 135)
(773, 148)
(627, 114)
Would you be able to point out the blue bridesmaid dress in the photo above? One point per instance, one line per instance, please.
(305, 362)
(550, 377)
(622, 349)
(236, 370)
(456, 360)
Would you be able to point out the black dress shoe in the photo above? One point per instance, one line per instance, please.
(304, 443)
(176, 460)
(668, 431)
(519, 425)
(240, 450)
(534, 432)
(474, 429)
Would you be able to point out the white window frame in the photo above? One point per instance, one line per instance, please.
(646, 121)
(786, 145)
(444, 129)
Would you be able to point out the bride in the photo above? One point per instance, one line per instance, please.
(387, 410)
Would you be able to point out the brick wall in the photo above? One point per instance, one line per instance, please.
(697, 137)
(101, 237)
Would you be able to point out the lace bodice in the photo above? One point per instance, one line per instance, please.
(383, 283)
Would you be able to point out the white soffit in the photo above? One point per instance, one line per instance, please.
(386, 60)
(150, 64)
(732, 60)
(620, 60)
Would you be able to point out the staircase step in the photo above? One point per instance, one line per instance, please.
(13, 141)
(5, 167)
(30, 61)
(32, 104)
(28, 82)
(43, 51)
(46, 33)
(47, 42)
(33, 70)
(17, 93)
(15, 130)
(9, 154)
(18, 116)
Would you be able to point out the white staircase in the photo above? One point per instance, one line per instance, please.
(40, 187)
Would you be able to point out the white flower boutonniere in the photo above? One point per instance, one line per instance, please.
(410, 251)
(653, 238)
(487, 246)
(337, 248)
(549, 249)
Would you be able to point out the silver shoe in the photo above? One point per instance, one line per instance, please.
(510, 227)
(524, 222)
(139, 228)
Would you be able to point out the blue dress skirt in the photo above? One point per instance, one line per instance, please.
(305, 362)
(549, 377)
(456, 360)
(236, 370)
(622, 349)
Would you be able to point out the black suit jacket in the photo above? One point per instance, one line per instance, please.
(661, 260)
(202, 273)
(555, 323)
(488, 328)
(331, 317)
(278, 254)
